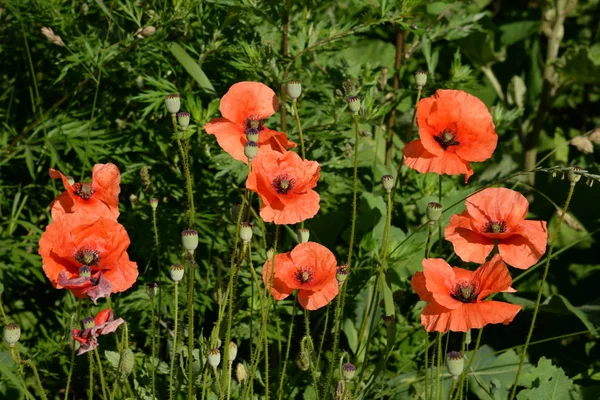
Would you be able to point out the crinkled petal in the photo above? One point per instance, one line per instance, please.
(279, 290)
(418, 158)
(496, 205)
(313, 300)
(230, 136)
(469, 245)
(440, 281)
(469, 316)
(492, 277)
(246, 100)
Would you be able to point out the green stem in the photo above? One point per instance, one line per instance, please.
(91, 381)
(72, 364)
(190, 312)
(313, 371)
(426, 365)
(439, 366)
(287, 350)
(38, 381)
(152, 360)
(469, 365)
(229, 369)
(429, 234)
(295, 108)
(408, 135)
(205, 381)
(2, 313)
(541, 289)
(174, 354)
(186, 172)
(323, 335)
(101, 373)
(440, 233)
(14, 353)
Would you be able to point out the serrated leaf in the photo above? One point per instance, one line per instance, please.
(494, 375)
(192, 67)
(546, 382)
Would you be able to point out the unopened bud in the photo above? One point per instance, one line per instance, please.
(434, 211)
(189, 239)
(214, 358)
(154, 203)
(233, 349)
(12, 334)
(303, 235)
(52, 37)
(455, 363)
(240, 373)
(250, 150)
(148, 31)
(145, 177)
(177, 271)
(246, 232)
(127, 362)
(173, 103)
(303, 361)
(388, 182)
(468, 338)
(348, 371)
(151, 289)
(270, 253)
(354, 104)
(294, 89)
(183, 118)
(420, 79)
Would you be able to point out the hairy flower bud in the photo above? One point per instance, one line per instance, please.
(250, 150)
(173, 103)
(354, 104)
(151, 289)
(455, 363)
(434, 211)
(246, 232)
(240, 373)
(303, 361)
(12, 334)
(420, 79)
(303, 235)
(189, 239)
(52, 37)
(177, 271)
(388, 182)
(294, 89)
(148, 31)
(214, 358)
(127, 362)
(154, 203)
(233, 349)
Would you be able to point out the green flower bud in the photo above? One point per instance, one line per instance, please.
(294, 89)
(420, 79)
(233, 349)
(250, 150)
(303, 235)
(455, 363)
(434, 211)
(388, 182)
(177, 271)
(189, 239)
(214, 358)
(303, 361)
(183, 118)
(151, 289)
(354, 104)
(12, 334)
(246, 232)
(173, 103)
(127, 362)
(88, 323)
(240, 373)
(154, 203)
(468, 338)
(348, 371)
(148, 31)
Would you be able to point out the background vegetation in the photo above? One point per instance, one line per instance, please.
(100, 98)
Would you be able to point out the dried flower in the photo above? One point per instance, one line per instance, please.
(51, 36)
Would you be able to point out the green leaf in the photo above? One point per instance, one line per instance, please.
(192, 67)
(351, 334)
(594, 54)
(559, 304)
(113, 358)
(546, 382)
(514, 32)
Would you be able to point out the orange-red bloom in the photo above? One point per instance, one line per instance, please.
(455, 128)
(87, 255)
(284, 182)
(497, 215)
(456, 296)
(103, 324)
(244, 107)
(101, 197)
(310, 268)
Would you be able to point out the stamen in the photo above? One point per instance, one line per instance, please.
(83, 190)
(446, 138)
(465, 292)
(254, 123)
(283, 184)
(87, 257)
(494, 227)
(304, 275)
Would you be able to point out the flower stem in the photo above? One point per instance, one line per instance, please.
(439, 366)
(287, 350)
(38, 381)
(14, 353)
(72, 364)
(91, 382)
(408, 134)
(541, 289)
(101, 373)
(174, 354)
(313, 371)
(440, 233)
(469, 365)
(186, 171)
(190, 312)
(426, 365)
(295, 108)
(152, 360)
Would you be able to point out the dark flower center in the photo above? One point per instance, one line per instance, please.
(254, 123)
(465, 292)
(283, 184)
(87, 257)
(447, 138)
(83, 190)
(304, 275)
(495, 227)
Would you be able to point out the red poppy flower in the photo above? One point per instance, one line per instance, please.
(284, 182)
(244, 107)
(497, 215)
(310, 268)
(455, 128)
(101, 197)
(81, 245)
(103, 324)
(456, 296)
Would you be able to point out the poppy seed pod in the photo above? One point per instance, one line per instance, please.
(214, 358)
(252, 134)
(177, 271)
(85, 271)
(189, 239)
(434, 211)
(154, 203)
(388, 182)
(420, 79)
(240, 373)
(250, 150)
(127, 362)
(294, 89)
(388, 320)
(246, 232)
(348, 371)
(151, 289)
(455, 363)
(88, 323)
(233, 349)
(183, 118)
(354, 104)
(341, 275)
(303, 235)
(173, 103)
(12, 333)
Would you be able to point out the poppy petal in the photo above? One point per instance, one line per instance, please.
(314, 300)
(469, 245)
(492, 277)
(279, 290)
(248, 99)
(106, 180)
(497, 205)
(418, 158)
(440, 281)
(418, 284)
(230, 137)
(469, 316)
(520, 252)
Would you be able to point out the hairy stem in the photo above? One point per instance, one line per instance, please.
(287, 351)
(72, 363)
(174, 353)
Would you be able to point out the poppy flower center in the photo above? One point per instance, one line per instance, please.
(254, 123)
(283, 184)
(495, 227)
(447, 138)
(465, 292)
(87, 257)
(304, 275)
(83, 190)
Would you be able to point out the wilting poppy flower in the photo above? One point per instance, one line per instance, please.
(103, 324)
(81, 252)
(455, 129)
(101, 197)
(284, 182)
(456, 296)
(310, 268)
(244, 107)
(497, 215)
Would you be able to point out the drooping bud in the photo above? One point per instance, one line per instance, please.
(52, 37)
(303, 235)
(240, 373)
(214, 358)
(246, 232)
(303, 361)
(154, 203)
(341, 274)
(420, 79)
(127, 362)
(455, 363)
(12, 333)
(573, 176)
(173, 103)
(348, 371)
(183, 118)
(88, 323)
(250, 150)
(233, 349)
(177, 271)
(294, 89)
(151, 289)
(388, 182)
(252, 135)
(189, 239)
(85, 271)
(434, 211)
(354, 104)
